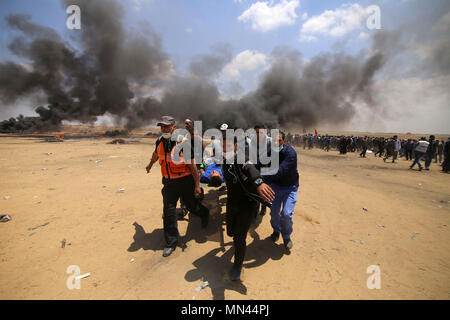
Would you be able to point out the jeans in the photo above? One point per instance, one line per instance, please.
(281, 218)
(417, 156)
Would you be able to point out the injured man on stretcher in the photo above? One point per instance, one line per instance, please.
(212, 175)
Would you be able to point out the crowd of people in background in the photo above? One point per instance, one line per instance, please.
(392, 149)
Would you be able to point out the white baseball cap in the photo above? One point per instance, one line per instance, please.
(223, 127)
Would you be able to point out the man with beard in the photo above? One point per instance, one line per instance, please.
(180, 178)
(245, 190)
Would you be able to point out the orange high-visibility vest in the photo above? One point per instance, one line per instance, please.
(169, 168)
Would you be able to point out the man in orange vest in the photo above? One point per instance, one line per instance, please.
(180, 179)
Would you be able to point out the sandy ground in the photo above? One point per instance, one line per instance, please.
(405, 230)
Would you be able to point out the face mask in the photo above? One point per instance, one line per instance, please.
(166, 135)
(229, 156)
(277, 149)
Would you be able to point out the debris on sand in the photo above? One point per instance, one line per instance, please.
(82, 276)
(365, 209)
(6, 197)
(118, 141)
(115, 133)
(63, 243)
(97, 161)
(357, 241)
(121, 190)
(202, 285)
(5, 218)
(414, 234)
(381, 225)
(42, 225)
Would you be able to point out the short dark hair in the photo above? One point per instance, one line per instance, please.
(215, 181)
(259, 126)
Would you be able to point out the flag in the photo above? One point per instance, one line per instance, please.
(315, 131)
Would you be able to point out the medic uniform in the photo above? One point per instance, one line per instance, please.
(177, 182)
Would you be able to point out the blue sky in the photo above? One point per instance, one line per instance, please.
(191, 27)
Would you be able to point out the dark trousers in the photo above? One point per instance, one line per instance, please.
(171, 192)
(379, 152)
(363, 153)
(428, 158)
(394, 156)
(409, 154)
(239, 217)
(446, 164)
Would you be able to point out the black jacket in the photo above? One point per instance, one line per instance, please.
(241, 187)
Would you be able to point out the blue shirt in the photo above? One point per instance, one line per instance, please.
(287, 174)
(204, 178)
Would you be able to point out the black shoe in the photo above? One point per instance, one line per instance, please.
(235, 273)
(275, 236)
(205, 219)
(182, 214)
(428, 169)
(288, 244)
(168, 251)
(420, 169)
(263, 211)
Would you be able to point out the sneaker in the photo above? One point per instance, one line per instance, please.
(288, 244)
(235, 273)
(168, 251)
(275, 236)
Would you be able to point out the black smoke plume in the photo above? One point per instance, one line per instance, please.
(109, 66)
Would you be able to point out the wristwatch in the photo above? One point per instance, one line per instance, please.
(259, 182)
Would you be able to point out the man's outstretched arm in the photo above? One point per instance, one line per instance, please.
(152, 162)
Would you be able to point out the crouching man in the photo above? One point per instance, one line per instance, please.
(245, 190)
(285, 184)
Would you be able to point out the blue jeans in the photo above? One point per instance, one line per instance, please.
(417, 156)
(281, 219)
